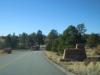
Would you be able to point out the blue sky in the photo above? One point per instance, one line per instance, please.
(17, 16)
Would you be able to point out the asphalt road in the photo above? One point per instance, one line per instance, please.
(27, 63)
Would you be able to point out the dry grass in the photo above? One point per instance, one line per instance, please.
(98, 50)
(79, 68)
(2, 53)
(90, 52)
(53, 56)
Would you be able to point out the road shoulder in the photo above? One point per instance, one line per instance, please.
(54, 59)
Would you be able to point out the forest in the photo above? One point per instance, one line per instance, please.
(54, 41)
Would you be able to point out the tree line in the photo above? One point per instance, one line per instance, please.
(54, 41)
(22, 41)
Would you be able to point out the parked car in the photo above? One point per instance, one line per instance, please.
(35, 47)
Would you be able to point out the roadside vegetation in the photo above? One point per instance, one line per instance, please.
(70, 37)
(56, 43)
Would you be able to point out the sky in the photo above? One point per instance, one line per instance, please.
(18, 16)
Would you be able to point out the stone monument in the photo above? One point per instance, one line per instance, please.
(75, 54)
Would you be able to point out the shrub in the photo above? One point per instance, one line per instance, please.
(98, 50)
(92, 68)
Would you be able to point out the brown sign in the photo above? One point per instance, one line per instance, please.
(76, 54)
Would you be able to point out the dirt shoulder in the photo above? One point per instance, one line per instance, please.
(56, 59)
(78, 68)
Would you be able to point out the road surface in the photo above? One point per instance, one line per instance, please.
(27, 63)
